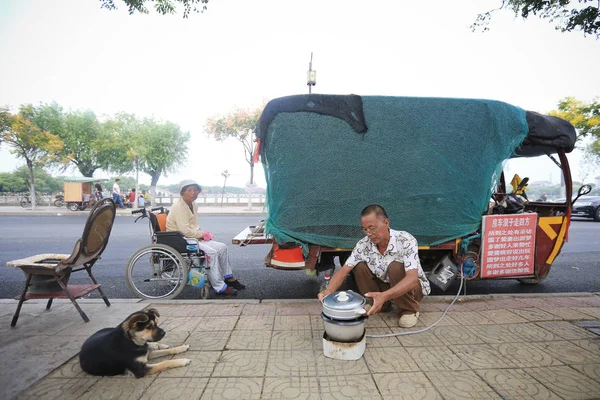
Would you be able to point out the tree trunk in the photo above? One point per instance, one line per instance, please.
(155, 177)
(31, 184)
(86, 171)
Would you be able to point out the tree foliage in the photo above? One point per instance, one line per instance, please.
(30, 142)
(585, 117)
(568, 15)
(238, 124)
(161, 6)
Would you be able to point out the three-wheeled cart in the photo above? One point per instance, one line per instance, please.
(79, 193)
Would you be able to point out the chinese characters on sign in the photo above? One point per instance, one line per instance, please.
(508, 247)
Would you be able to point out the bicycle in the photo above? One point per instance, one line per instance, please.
(162, 269)
(25, 202)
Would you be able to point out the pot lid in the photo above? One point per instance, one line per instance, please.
(347, 300)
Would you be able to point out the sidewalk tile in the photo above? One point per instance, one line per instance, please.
(426, 338)
(591, 345)
(291, 322)
(256, 322)
(566, 382)
(567, 352)
(503, 317)
(406, 386)
(495, 334)
(249, 340)
(181, 310)
(568, 301)
(531, 332)
(516, 384)
(71, 369)
(470, 318)
(179, 324)
(593, 301)
(509, 304)
(375, 321)
(428, 318)
(593, 312)
(390, 318)
(567, 330)
(482, 357)
(120, 388)
(237, 363)
(391, 341)
(478, 305)
(392, 359)
(464, 385)
(567, 313)
(524, 355)
(591, 370)
(60, 389)
(292, 387)
(536, 314)
(202, 341)
(210, 324)
(259, 309)
(292, 340)
(202, 365)
(433, 307)
(316, 322)
(437, 358)
(232, 388)
(292, 309)
(317, 341)
(291, 363)
(218, 310)
(331, 367)
(175, 388)
(448, 335)
(348, 387)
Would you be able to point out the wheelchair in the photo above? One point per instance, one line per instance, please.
(162, 269)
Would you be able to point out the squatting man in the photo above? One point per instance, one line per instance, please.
(183, 217)
(386, 268)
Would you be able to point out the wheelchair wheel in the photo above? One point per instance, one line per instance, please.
(156, 271)
(205, 292)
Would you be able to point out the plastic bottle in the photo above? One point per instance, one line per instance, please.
(326, 281)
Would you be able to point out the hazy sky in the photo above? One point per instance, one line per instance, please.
(240, 52)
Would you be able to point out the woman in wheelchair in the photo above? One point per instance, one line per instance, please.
(183, 217)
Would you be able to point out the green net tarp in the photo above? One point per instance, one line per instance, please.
(430, 162)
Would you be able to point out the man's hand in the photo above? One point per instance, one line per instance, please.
(323, 294)
(379, 300)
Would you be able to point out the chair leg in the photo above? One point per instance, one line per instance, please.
(49, 304)
(66, 290)
(89, 271)
(21, 300)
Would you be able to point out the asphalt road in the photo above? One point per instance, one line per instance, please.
(577, 269)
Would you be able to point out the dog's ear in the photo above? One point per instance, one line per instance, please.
(153, 311)
(137, 319)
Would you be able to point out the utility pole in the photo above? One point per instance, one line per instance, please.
(311, 76)
(225, 175)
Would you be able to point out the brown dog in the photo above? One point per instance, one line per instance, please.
(129, 346)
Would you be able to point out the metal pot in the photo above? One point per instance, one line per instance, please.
(344, 331)
(344, 306)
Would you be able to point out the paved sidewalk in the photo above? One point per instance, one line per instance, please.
(202, 210)
(487, 347)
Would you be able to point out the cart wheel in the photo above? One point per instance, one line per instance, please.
(59, 203)
(155, 272)
(73, 206)
(25, 203)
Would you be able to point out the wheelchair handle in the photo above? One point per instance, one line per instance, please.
(139, 211)
(161, 209)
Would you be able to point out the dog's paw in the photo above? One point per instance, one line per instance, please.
(182, 362)
(184, 347)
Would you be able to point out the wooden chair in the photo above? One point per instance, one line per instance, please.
(57, 268)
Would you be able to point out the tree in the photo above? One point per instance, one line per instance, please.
(150, 146)
(567, 14)
(161, 6)
(585, 117)
(238, 124)
(86, 144)
(36, 146)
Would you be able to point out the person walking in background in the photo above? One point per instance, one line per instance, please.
(132, 197)
(116, 193)
(146, 197)
(98, 192)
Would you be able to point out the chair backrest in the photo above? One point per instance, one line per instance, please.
(95, 235)
(158, 222)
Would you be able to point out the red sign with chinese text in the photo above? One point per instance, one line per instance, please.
(508, 245)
